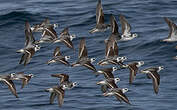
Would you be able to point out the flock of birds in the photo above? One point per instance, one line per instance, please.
(108, 85)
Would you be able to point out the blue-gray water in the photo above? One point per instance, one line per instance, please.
(146, 18)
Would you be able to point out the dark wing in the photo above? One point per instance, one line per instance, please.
(133, 70)
(45, 22)
(68, 42)
(172, 26)
(60, 96)
(57, 52)
(23, 57)
(109, 52)
(25, 81)
(49, 31)
(108, 73)
(52, 97)
(82, 49)
(11, 86)
(116, 49)
(104, 88)
(99, 13)
(62, 60)
(125, 25)
(63, 77)
(156, 81)
(28, 34)
(122, 96)
(65, 32)
(112, 84)
(89, 66)
(29, 53)
(114, 26)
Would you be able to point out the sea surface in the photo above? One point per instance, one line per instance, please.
(147, 20)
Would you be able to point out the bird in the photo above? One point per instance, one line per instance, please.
(100, 25)
(83, 59)
(114, 29)
(111, 54)
(107, 72)
(172, 36)
(126, 30)
(108, 83)
(56, 91)
(6, 79)
(21, 76)
(152, 73)
(30, 46)
(58, 57)
(66, 38)
(64, 81)
(50, 36)
(118, 93)
(133, 67)
(44, 24)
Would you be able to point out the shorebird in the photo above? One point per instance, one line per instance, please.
(57, 57)
(152, 73)
(64, 81)
(56, 91)
(100, 25)
(6, 79)
(111, 54)
(83, 59)
(118, 93)
(133, 67)
(50, 36)
(172, 36)
(30, 46)
(21, 76)
(126, 28)
(108, 83)
(114, 30)
(44, 24)
(107, 72)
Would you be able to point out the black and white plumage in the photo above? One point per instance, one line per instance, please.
(133, 67)
(41, 27)
(118, 93)
(100, 25)
(49, 35)
(21, 76)
(172, 36)
(126, 30)
(107, 72)
(83, 59)
(30, 46)
(58, 57)
(111, 54)
(108, 83)
(56, 91)
(152, 73)
(65, 83)
(6, 79)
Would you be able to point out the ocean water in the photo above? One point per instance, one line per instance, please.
(146, 19)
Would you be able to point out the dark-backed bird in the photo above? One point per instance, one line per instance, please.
(83, 59)
(6, 79)
(126, 30)
(152, 73)
(58, 57)
(100, 25)
(65, 83)
(21, 76)
(30, 46)
(172, 36)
